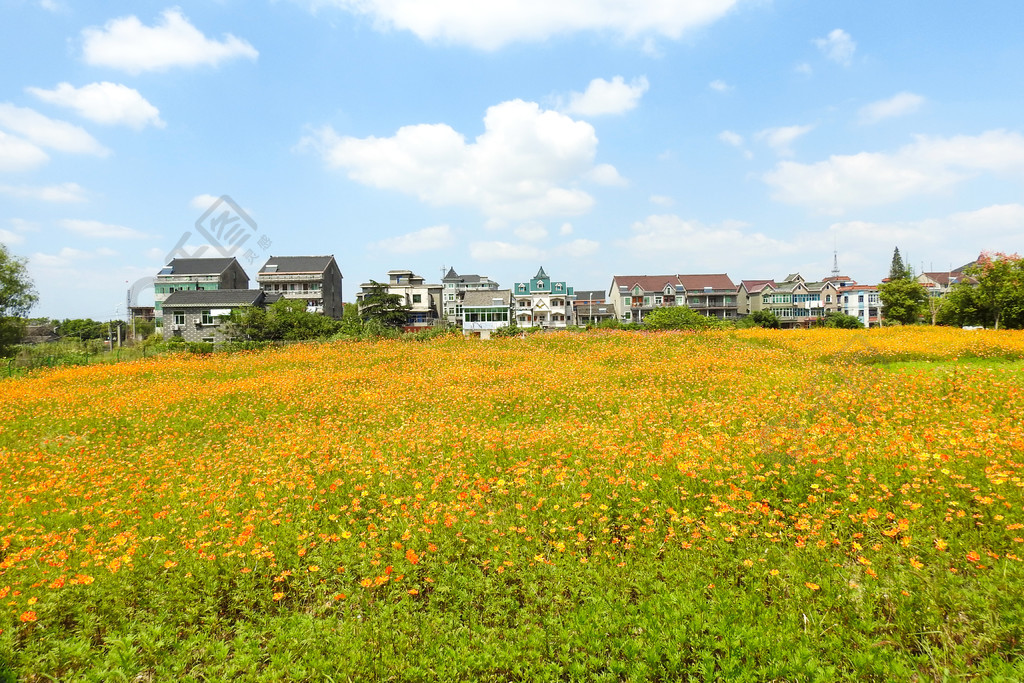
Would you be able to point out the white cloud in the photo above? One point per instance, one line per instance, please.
(504, 251)
(837, 46)
(900, 104)
(19, 155)
(427, 239)
(607, 97)
(98, 230)
(65, 192)
(106, 103)
(62, 259)
(8, 237)
(731, 138)
(941, 243)
(719, 86)
(804, 69)
(781, 139)
(736, 140)
(606, 174)
(579, 248)
(661, 200)
(127, 45)
(669, 243)
(525, 164)
(491, 25)
(46, 132)
(531, 232)
(507, 251)
(565, 229)
(202, 202)
(870, 179)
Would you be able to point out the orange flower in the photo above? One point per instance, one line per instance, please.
(278, 596)
(813, 586)
(973, 556)
(412, 557)
(28, 616)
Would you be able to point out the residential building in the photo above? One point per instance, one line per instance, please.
(484, 311)
(753, 295)
(862, 302)
(313, 279)
(542, 302)
(455, 288)
(794, 301)
(590, 307)
(710, 294)
(634, 296)
(939, 284)
(196, 274)
(423, 300)
(200, 315)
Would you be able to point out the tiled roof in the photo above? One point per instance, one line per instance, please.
(648, 283)
(296, 264)
(193, 298)
(199, 266)
(755, 286)
(485, 298)
(591, 295)
(694, 283)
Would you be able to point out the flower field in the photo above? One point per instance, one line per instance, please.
(750, 505)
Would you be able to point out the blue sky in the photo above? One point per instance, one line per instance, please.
(593, 137)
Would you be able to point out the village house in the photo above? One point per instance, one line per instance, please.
(196, 274)
(484, 311)
(634, 296)
(542, 302)
(316, 280)
(423, 299)
(456, 287)
(201, 315)
(794, 301)
(591, 306)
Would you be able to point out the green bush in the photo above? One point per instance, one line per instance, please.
(678, 318)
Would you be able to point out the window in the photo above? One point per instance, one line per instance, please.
(828, 298)
(179, 317)
(417, 298)
(647, 301)
(657, 301)
(206, 318)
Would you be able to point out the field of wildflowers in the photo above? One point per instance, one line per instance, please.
(749, 505)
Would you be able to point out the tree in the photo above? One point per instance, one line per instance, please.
(839, 320)
(82, 329)
(382, 307)
(17, 297)
(1000, 288)
(351, 325)
(283, 320)
(766, 319)
(677, 318)
(898, 271)
(903, 300)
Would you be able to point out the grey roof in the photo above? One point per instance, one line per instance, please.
(485, 298)
(296, 264)
(541, 275)
(591, 295)
(199, 266)
(197, 298)
(452, 275)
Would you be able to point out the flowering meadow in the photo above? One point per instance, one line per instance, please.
(747, 505)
